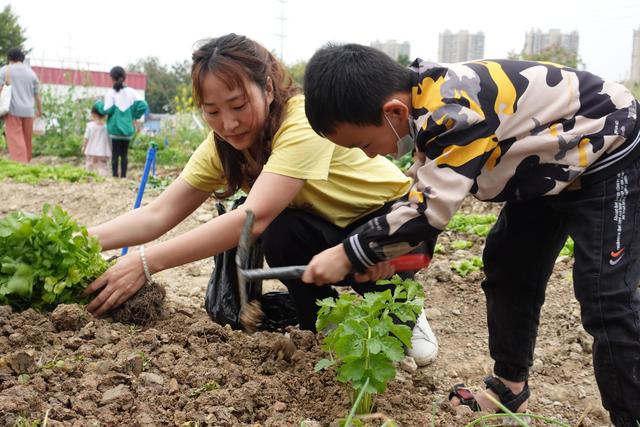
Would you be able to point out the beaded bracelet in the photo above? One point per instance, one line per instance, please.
(145, 266)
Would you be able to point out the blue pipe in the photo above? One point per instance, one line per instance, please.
(151, 159)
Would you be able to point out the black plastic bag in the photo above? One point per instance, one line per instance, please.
(222, 300)
(279, 311)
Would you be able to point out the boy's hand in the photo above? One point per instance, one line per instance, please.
(381, 270)
(329, 266)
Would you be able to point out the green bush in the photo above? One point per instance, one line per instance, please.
(66, 118)
(181, 142)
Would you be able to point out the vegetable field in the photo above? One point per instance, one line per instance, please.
(68, 368)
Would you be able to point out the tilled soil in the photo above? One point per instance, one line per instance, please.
(185, 370)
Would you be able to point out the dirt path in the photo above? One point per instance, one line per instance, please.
(188, 371)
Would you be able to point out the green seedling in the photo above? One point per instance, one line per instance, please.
(26, 422)
(46, 259)
(520, 419)
(364, 341)
(467, 266)
(439, 249)
(474, 223)
(145, 360)
(567, 249)
(160, 183)
(54, 363)
(461, 244)
(34, 174)
(211, 385)
(60, 362)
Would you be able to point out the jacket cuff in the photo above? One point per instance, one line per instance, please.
(360, 256)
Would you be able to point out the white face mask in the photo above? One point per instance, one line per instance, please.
(405, 144)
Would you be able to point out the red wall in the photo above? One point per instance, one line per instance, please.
(67, 76)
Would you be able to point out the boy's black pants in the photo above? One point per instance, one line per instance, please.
(293, 238)
(603, 219)
(119, 152)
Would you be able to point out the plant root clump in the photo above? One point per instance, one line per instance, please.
(144, 307)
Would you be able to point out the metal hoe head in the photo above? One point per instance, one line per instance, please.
(250, 311)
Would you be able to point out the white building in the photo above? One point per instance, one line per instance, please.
(536, 41)
(460, 47)
(394, 49)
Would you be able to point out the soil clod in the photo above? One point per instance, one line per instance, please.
(144, 308)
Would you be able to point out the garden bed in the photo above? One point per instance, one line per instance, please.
(185, 370)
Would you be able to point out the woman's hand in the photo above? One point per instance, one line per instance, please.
(118, 284)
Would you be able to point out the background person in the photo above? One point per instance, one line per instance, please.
(96, 146)
(122, 106)
(25, 104)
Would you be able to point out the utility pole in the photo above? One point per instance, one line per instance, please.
(282, 35)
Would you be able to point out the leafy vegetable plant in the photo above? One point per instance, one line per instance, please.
(365, 340)
(473, 223)
(461, 244)
(46, 259)
(567, 249)
(466, 266)
(34, 174)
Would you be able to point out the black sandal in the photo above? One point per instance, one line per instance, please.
(506, 397)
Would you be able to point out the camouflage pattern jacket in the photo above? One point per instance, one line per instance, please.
(500, 130)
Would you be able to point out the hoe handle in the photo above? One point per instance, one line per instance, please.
(402, 263)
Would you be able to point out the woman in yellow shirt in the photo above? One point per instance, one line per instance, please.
(307, 193)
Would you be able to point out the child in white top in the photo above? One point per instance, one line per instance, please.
(97, 145)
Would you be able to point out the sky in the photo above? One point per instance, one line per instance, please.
(118, 32)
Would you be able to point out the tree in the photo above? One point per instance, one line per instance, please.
(297, 71)
(556, 54)
(404, 60)
(11, 33)
(163, 83)
(634, 87)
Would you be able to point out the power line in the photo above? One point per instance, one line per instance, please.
(282, 35)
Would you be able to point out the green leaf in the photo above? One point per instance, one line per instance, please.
(323, 364)
(21, 282)
(381, 368)
(353, 327)
(350, 371)
(375, 345)
(403, 333)
(348, 346)
(392, 348)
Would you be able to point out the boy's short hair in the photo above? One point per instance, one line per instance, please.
(94, 110)
(15, 55)
(349, 84)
